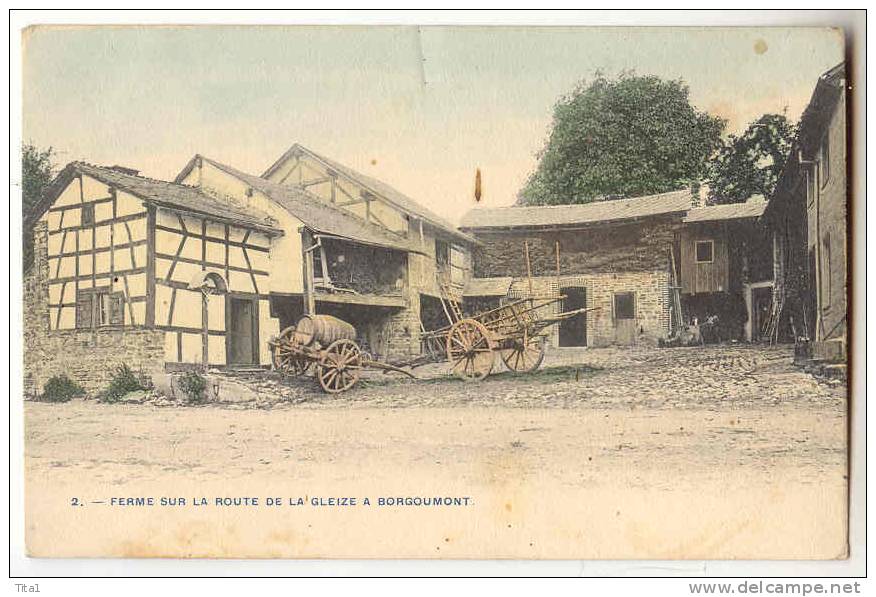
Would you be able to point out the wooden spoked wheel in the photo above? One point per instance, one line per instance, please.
(525, 354)
(339, 367)
(470, 350)
(285, 356)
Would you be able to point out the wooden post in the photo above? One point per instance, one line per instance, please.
(309, 298)
(528, 265)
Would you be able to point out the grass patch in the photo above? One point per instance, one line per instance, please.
(60, 388)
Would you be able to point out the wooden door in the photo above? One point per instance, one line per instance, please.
(573, 331)
(241, 336)
(624, 316)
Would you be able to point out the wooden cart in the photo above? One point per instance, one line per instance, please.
(515, 330)
(329, 344)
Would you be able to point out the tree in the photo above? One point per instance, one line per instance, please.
(624, 137)
(750, 164)
(37, 170)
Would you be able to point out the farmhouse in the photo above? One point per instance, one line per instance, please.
(204, 270)
(352, 247)
(807, 220)
(139, 271)
(647, 265)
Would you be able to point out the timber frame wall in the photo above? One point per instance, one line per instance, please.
(107, 246)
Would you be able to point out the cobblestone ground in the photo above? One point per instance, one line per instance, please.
(735, 376)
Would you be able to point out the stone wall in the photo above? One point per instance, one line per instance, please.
(607, 249)
(608, 260)
(86, 356)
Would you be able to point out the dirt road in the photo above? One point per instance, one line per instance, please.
(722, 453)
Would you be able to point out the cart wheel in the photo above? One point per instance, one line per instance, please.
(339, 368)
(525, 354)
(470, 350)
(285, 358)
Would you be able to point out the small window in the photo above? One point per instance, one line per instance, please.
(705, 250)
(88, 214)
(625, 305)
(99, 307)
(824, 162)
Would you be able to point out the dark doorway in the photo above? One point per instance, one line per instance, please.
(761, 307)
(573, 331)
(241, 334)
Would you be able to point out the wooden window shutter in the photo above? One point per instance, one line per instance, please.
(117, 306)
(84, 309)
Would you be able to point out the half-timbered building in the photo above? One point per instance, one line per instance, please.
(353, 247)
(137, 271)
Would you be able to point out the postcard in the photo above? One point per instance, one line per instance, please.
(435, 292)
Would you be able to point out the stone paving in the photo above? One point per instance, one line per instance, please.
(732, 376)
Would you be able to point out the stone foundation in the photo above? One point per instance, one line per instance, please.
(88, 357)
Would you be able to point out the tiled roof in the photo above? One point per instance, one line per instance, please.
(379, 188)
(752, 208)
(165, 194)
(588, 213)
(318, 215)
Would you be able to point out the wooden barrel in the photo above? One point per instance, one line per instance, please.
(323, 329)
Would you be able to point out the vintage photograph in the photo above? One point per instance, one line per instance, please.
(436, 292)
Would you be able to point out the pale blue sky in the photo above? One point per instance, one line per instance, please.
(420, 108)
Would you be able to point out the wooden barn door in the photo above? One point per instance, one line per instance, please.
(625, 323)
(241, 335)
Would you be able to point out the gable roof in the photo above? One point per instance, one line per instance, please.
(674, 202)
(313, 211)
(753, 208)
(376, 187)
(160, 193)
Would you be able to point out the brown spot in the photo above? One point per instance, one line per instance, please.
(508, 507)
(373, 162)
(760, 47)
(446, 539)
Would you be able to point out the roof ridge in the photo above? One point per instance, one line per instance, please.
(601, 202)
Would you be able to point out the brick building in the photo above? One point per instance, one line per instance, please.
(807, 218)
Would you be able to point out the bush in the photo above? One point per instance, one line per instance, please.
(60, 388)
(123, 382)
(194, 386)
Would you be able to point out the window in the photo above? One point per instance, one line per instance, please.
(442, 253)
(625, 305)
(824, 161)
(825, 271)
(705, 250)
(88, 214)
(99, 307)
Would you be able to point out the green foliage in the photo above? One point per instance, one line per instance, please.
(123, 382)
(36, 173)
(624, 137)
(194, 386)
(60, 388)
(751, 163)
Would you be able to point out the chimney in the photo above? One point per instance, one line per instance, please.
(697, 194)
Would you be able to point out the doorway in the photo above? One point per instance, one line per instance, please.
(761, 308)
(241, 334)
(573, 331)
(625, 323)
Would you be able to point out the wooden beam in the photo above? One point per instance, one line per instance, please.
(179, 259)
(214, 239)
(150, 266)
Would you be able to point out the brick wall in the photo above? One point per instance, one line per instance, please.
(86, 356)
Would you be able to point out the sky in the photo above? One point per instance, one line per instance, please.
(420, 108)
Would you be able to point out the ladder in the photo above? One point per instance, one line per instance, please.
(450, 306)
